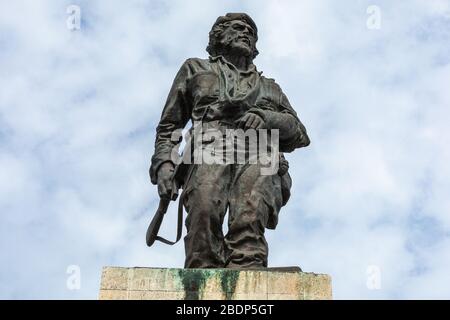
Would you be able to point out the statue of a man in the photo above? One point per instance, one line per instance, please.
(226, 91)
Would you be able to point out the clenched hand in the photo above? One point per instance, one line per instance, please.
(165, 173)
(250, 121)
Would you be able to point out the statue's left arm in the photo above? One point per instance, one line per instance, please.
(292, 132)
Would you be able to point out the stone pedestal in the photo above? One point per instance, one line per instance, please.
(213, 284)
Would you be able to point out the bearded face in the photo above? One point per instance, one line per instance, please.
(238, 38)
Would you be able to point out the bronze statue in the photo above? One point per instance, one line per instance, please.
(225, 92)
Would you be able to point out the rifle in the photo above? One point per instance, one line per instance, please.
(155, 224)
(182, 174)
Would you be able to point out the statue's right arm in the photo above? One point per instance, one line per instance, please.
(174, 117)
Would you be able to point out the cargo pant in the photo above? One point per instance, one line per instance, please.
(250, 197)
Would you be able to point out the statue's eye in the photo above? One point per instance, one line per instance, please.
(242, 27)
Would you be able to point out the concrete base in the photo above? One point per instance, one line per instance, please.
(213, 284)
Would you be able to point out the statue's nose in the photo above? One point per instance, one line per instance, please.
(247, 31)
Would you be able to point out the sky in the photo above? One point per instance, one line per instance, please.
(370, 199)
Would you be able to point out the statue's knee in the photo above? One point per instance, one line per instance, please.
(252, 213)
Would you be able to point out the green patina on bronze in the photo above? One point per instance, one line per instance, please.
(194, 281)
(228, 281)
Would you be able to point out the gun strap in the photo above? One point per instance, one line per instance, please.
(180, 211)
(179, 224)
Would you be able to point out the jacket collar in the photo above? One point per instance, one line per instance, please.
(221, 58)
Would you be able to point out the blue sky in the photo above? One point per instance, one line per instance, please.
(78, 111)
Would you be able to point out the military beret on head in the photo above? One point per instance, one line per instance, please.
(237, 16)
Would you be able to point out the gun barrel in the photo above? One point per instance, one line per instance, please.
(153, 228)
